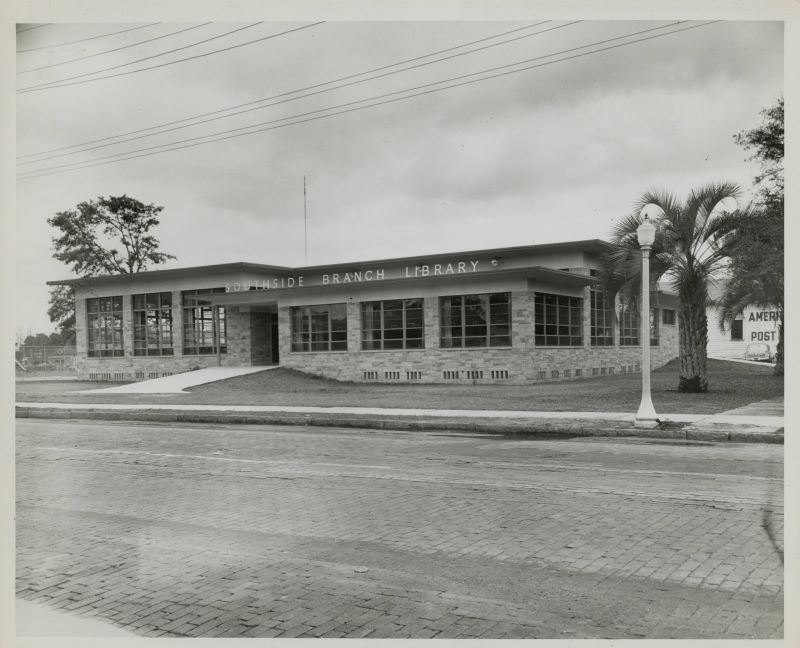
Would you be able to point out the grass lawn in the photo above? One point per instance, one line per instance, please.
(732, 385)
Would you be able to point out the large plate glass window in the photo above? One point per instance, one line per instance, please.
(203, 329)
(602, 318)
(104, 327)
(475, 321)
(392, 324)
(319, 328)
(630, 325)
(558, 320)
(152, 324)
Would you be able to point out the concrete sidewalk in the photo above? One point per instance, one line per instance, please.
(177, 383)
(762, 423)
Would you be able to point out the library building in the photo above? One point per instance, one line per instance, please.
(516, 315)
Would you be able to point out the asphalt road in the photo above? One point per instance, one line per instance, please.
(174, 530)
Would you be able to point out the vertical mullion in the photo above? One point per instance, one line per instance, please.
(403, 320)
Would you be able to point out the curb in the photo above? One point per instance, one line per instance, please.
(527, 428)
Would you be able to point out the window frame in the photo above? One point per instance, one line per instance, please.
(668, 320)
(206, 312)
(109, 313)
(161, 313)
(311, 317)
(543, 334)
(496, 308)
(606, 309)
(740, 327)
(379, 343)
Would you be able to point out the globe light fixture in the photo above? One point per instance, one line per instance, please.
(646, 416)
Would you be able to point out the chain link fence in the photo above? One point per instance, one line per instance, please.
(46, 358)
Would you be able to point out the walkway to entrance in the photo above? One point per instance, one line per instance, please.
(177, 383)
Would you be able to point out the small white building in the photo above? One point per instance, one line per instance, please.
(754, 329)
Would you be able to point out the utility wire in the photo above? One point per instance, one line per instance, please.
(27, 29)
(147, 152)
(52, 84)
(336, 107)
(83, 40)
(284, 94)
(146, 58)
(116, 49)
(344, 85)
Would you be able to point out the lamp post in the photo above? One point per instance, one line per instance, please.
(646, 416)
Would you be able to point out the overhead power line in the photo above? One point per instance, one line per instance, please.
(27, 29)
(284, 94)
(116, 49)
(146, 58)
(147, 152)
(302, 96)
(83, 40)
(59, 84)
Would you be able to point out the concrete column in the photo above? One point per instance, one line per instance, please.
(177, 324)
(127, 325)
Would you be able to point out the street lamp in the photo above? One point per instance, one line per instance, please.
(646, 416)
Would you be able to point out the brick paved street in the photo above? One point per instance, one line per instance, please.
(174, 530)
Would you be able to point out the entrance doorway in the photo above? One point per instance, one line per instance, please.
(274, 340)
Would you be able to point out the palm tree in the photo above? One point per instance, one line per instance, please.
(756, 270)
(690, 250)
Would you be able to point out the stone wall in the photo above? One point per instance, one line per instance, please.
(245, 332)
(523, 363)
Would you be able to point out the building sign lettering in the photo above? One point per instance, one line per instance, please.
(764, 316)
(356, 276)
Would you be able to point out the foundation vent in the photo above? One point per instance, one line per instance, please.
(140, 375)
(567, 373)
(450, 375)
(578, 372)
(499, 374)
(603, 371)
(554, 373)
(164, 374)
(595, 371)
(153, 374)
(623, 369)
(413, 375)
(370, 375)
(391, 375)
(474, 374)
(119, 376)
(638, 367)
(541, 375)
(611, 371)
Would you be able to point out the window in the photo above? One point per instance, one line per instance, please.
(319, 328)
(152, 324)
(104, 327)
(201, 333)
(558, 320)
(475, 320)
(392, 324)
(668, 317)
(629, 325)
(653, 327)
(737, 330)
(602, 317)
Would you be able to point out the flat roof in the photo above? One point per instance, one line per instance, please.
(588, 245)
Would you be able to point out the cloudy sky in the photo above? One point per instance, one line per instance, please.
(556, 146)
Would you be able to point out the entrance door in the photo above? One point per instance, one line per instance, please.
(274, 339)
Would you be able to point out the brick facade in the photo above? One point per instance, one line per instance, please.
(257, 298)
(523, 363)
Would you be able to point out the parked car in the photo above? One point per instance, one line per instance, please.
(758, 352)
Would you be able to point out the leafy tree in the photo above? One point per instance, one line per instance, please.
(690, 250)
(62, 312)
(93, 233)
(756, 269)
(99, 237)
